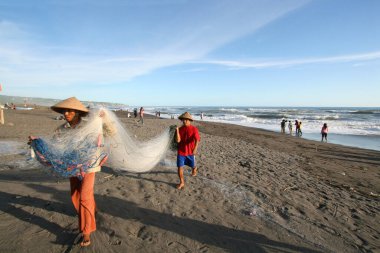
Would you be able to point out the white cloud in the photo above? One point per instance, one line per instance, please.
(10, 30)
(293, 62)
(188, 35)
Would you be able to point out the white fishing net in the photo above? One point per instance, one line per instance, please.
(127, 153)
(100, 137)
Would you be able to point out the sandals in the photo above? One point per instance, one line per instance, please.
(85, 243)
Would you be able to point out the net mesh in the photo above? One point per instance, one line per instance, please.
(98, 139)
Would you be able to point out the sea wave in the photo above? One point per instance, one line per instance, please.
(228, 109)
(339, 120)
(321, 117)
(269, 116)
(366, 112)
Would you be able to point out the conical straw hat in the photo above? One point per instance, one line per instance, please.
(70, 103)
(186, 115)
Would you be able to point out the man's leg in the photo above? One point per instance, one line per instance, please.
(87, 208)
(194, 171)
(190, 161)
(75, 186)
(181, 179)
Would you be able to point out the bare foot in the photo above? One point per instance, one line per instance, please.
(194, 172)
(180, 186)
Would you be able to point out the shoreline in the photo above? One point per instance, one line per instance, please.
(370, 142)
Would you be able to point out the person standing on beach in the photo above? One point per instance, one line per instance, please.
(324, 132)
(2, 121)
(290, 126)
(297, 127)
(82, 190)
(141, 113)
(283, 123)
(187, 137)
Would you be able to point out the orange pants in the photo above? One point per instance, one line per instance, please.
(82, 196)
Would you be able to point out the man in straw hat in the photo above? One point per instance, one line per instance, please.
(73, 111)
(82, 191)
(187, 137)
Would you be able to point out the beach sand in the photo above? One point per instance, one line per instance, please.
(256, 191)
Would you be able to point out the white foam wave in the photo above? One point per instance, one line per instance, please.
(229, 109)
(340, 120)
(309, 125)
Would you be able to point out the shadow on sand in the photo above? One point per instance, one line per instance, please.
(219, 236)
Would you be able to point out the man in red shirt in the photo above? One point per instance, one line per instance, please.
(187, 137)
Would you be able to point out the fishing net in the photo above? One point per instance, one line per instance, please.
(97, 139)
(127, 153)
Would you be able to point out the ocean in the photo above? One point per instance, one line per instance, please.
(350, 126)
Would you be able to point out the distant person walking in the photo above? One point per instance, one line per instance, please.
(290, 126)
(202, 115)
(324, 132)
(141, 113)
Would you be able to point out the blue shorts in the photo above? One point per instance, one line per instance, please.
(186, 160)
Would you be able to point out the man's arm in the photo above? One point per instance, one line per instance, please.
(195, 151)
(178, 137)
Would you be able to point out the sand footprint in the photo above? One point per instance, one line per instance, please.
(179, 247)
(112, 239)
(144, 234)
(203, 249)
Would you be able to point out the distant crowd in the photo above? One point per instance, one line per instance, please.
(298, 128)
(10, 106)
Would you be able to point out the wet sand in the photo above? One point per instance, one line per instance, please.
(256, 191)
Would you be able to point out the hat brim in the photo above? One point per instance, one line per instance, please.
(183, 118)
(62, 110)
(70, 104)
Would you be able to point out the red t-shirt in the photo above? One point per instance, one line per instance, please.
(188, 134)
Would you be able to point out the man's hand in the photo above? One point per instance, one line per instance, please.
(31, 138)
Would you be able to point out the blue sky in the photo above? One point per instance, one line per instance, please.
(193, 52)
